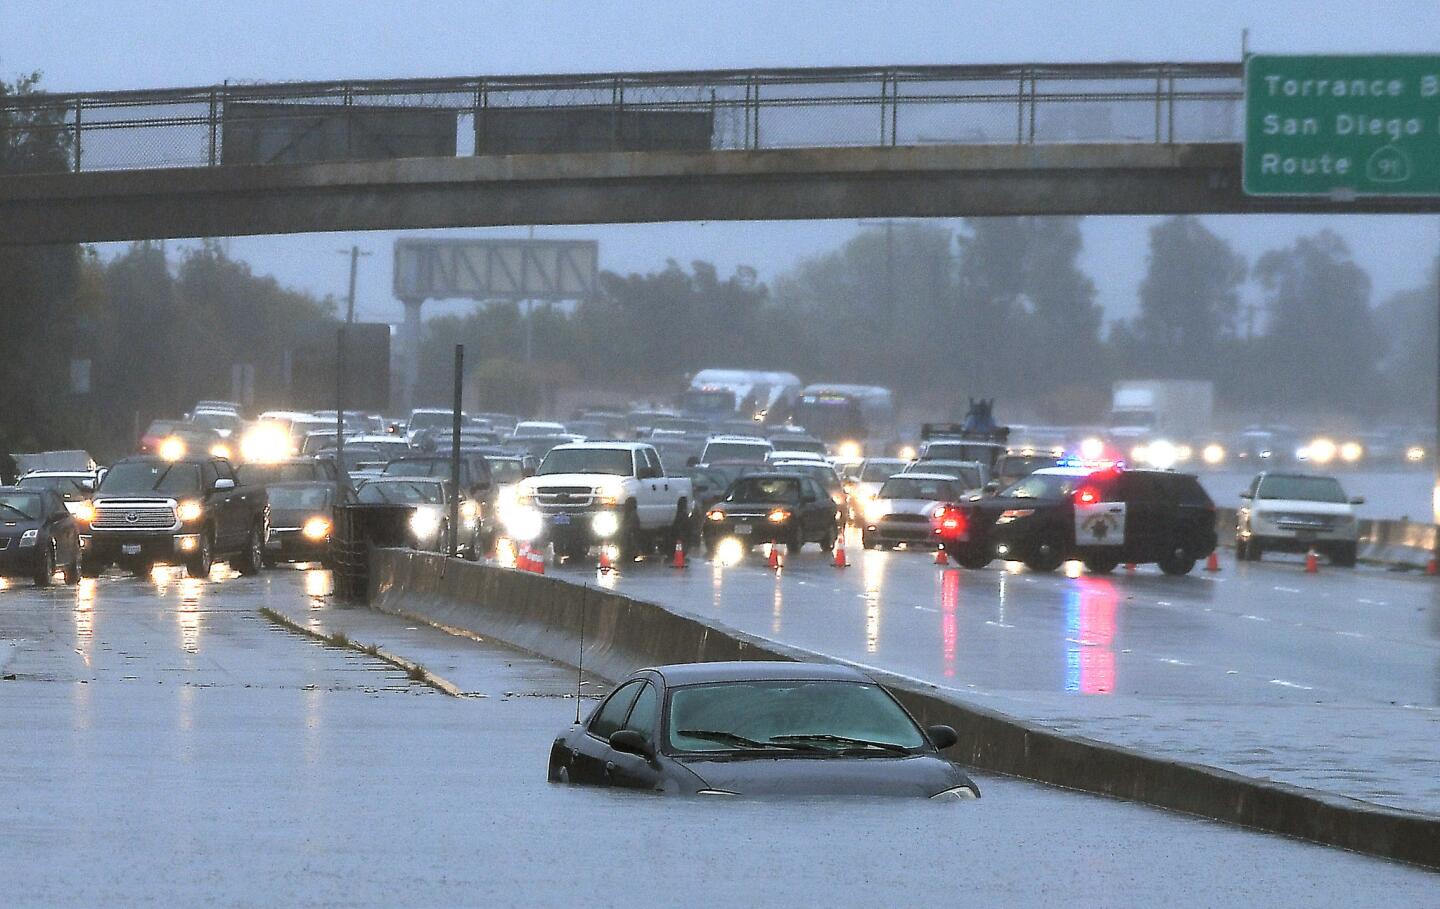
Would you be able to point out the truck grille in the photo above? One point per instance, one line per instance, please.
(1303, 522)
(120, 515)
(563, 498)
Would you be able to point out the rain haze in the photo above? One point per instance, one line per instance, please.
(671, 453)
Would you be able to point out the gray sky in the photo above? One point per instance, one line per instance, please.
(110, 44)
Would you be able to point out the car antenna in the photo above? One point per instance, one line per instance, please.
(580, 662)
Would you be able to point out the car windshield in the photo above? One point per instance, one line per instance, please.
(764, 489)
(1305, 489)
(430, 420)
(1043, 486)
(400, 492)
(958, 451)
(418, 467)
(69, 488)
(736, 451)
(212, 420)
(265, 474)
(880, 471)
(19, 506)
(506, 471)
(832, 715)
(1014, 467)
(820, 473)
(911, 488)
(301, 498)
(613, 461)
(142, 478)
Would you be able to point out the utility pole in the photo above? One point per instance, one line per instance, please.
(341, 365)
(354, 253)
(889, 225)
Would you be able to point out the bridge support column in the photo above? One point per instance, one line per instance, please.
(409, 354)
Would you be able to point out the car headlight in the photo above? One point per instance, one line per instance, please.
(605, 524)
(84, 512)
(875, 509)
(1415, 454)
(172, 448)
(470, 511)
(779, 516)
(524, 524)
(424, 523)
(715, 792)
(190, 510)
(316, 529)
(609, 493)
(220, 450)
(715, 514)
(956, 794)
(850, 450)
(28, 537)
(523, 497)
(1213, 454)
(1351, 452)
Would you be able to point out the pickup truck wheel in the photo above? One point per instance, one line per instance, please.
(827, 542)
(628, 540)
(45, 570)
(198, 565)
(795, 540)
(72, 571)
(252, 558)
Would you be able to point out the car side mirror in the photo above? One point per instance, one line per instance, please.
(628, 741)
(991, 488)
(223, 484)
(942, 736)
(1358, 500)
(1246, 495)
(692, 461)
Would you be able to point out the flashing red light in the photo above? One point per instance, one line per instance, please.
(1087, 495)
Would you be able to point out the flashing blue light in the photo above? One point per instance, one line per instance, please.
(1069, 462)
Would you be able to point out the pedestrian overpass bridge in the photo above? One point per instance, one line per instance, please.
(229, 160)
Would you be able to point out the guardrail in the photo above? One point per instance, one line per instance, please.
(215, 125)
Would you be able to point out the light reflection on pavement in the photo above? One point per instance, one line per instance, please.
(1330, 681)
(201, 756)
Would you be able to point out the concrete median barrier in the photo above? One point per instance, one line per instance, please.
(544, 615)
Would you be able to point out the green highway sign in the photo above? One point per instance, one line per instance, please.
(1342, 125)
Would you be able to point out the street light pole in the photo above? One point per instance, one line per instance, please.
(341, 364)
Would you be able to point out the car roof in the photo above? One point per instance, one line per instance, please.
(918, 475)
(1065, 471)
(756, 670)
(602, 445)
(744, 440)
(88, 474)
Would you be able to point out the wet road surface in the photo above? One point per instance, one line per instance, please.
(1329, 681)
(166, 745)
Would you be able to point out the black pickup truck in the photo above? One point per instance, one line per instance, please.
(189, 511)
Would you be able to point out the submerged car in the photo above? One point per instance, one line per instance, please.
(758, 729)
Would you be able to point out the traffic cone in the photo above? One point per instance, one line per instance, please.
(679, 560)
(773, 561)
(605, 564)
(1130, 567)
(840, 559)
(940, 557)
(1212, 563)
(522, 557)
(1432, 568)
(1312, 562)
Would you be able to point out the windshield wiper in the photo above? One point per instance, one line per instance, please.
(734, 739)
(163, 474)
(841, 740)
(22, 514)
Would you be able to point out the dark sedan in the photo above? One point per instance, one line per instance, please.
(773, 508)
(37, 536)
(302, 521)
(758, 729)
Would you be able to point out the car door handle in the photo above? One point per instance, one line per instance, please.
(609, 766)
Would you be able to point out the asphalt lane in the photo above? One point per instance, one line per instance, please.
(1330, 681)
(166, 745)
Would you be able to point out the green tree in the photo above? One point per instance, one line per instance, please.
(1189, 300)
(1409, 324)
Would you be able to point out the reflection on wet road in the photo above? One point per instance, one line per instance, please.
(165, 745)
(1329, 680)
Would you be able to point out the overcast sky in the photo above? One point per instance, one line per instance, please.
(111, 44)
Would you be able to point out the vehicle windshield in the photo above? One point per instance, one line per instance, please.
(143, 478)
(1015, 467)
(958, 451)
(1305, 489)
(301, 498)
(69, 488)
(880, 471)
(355, 455)
(736, 451)
(430, 420)
(265, 474)
(777, 715)
(708, 402)
(19, 506)
(613, 461)
(213, 420)
(1043, 486)
(820, 473)
(967, 473)
(506, 471)
(764, 489)
(812, 446)
(400, 492)
(911, 488)
(418, 467)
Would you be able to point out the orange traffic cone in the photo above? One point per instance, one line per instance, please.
(1432, 567)
(841, 561)
(1312, 562)
(605, 564)
(773, 561)
(679, 560)
(1212, 563)
(940, 557)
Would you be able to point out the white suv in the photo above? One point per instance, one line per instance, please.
(1295, 512)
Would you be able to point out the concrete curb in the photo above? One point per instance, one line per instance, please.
(544, 615)
(414, 670)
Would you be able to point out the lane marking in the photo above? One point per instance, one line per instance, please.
(1284, 684)
(1174, 662)
(1288, 589)
(1255, 618)
(926, 609)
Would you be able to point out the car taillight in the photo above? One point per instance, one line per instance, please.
(950, 521)
(1087, 495)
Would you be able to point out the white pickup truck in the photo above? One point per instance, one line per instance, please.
(592, 493)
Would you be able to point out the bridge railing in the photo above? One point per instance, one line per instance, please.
(218, 125)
